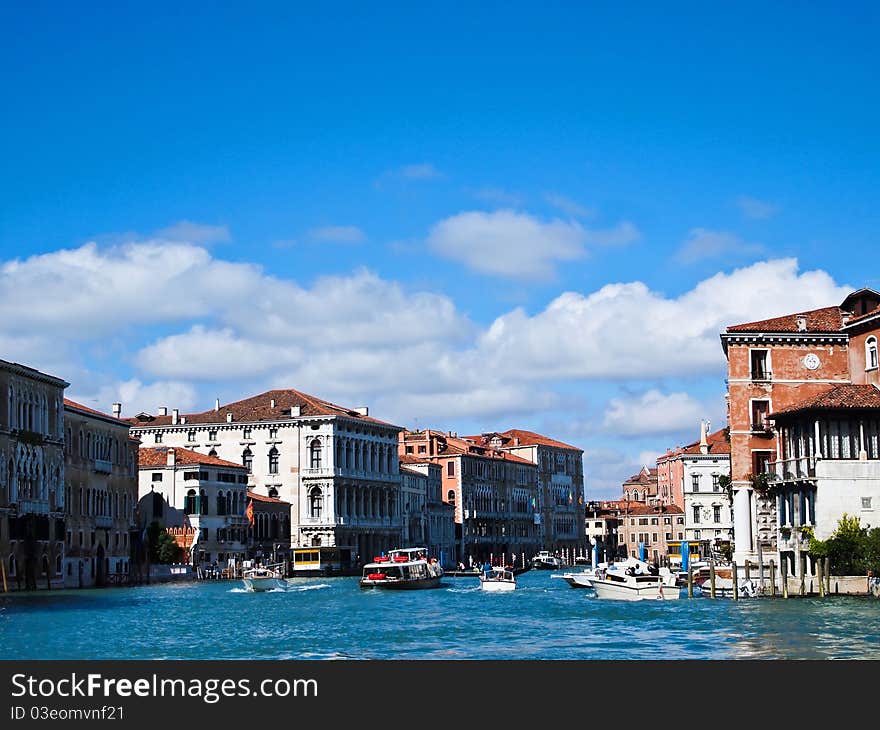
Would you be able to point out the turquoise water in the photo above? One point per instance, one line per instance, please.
(331, 618)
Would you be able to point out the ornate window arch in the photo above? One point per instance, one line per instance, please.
(315, 454)
(871, 358)
(316, 502)
(247, 459)
(273, 460)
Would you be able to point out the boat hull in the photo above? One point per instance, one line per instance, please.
(259, 585)
(578, 580)
(402, 585)
(497, 586)
(627, 592)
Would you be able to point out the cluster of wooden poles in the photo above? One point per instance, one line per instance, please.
(823, 576)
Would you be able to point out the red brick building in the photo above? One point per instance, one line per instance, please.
(779, 365)
(641, 487)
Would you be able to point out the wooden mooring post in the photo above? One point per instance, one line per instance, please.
(735, 583)
(772, 578)
(783, 571)
(802, 568)
(712, 578)
(820, 577)
(760, 568)
(690, 581)
(827, 576)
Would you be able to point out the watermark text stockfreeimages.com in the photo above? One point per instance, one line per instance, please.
(208, 690)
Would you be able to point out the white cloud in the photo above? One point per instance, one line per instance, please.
(136, 396)
(620, 235)
(754, 208)
(625, 331)
(190, 232)
(337, 234)
(702, 243)
(508, 243)
(421, 171)
(569, 206)
(653, 412)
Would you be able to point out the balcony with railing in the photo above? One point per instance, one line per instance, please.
(103, 521)
(103, 466)
(799, 467)
(33, 507)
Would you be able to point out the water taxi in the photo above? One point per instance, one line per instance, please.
(263, 578)
(545, 560)
(498, 579)
(630, 585)
(404, 568)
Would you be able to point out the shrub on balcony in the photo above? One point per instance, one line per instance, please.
(761, 483)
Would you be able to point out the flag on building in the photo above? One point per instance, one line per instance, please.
(570, 497)
(533, 503)
(249, 512)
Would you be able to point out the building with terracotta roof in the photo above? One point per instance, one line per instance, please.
(336, 466)
(601, 525)
(269, 536)
(427, 519)
(642, 486)
(695, 476)
(31, 477)
(199, 499)
(819, 367)
(560, 485)
(494, 493)
(645, 530)
(101, 494)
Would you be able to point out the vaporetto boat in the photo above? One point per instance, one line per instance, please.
(404, 568)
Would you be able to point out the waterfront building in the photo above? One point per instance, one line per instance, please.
(269, 535)
(560, 484)
(699, 472)
(780, 365)
(601, 527)
(646, 530)
(336, 466)
(494, 494)
(31, 477)
(641, 487)
(419, 474)
(101, 494)
(199, 499)
(827, 464)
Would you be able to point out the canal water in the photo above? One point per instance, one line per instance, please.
(332, 618)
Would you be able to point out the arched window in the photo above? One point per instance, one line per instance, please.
(212, 452)
(315, 450)
(45, 565)
(273, 461)
(273, 492)
(189, 505)
(871, 353)
(450, 496)
(247, 459)
(316, 502)
(221, 503)
(203, 502)
(13, 564)
(635, 495)
(57, 565)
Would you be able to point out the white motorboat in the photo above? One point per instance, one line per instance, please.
(583, 578)
(404, 568)
(498, 579)
(263, 578)
(633, 585)
(545, 560)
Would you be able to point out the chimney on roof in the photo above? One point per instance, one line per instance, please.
(516, 440)
(362, 410)
(272, 403)
(163, 411)
(117, 410)
(171, 457)
(174, 415)
(216, 404)
(801, 320)
(183, 419)
(295, 411)
(228, 416)
(704, 443)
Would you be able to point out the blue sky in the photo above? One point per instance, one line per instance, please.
(470, 218)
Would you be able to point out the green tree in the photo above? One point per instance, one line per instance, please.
(168, 550)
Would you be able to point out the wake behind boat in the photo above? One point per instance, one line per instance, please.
(404, 568)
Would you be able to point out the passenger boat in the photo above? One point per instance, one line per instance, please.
(498, 579)
(630, 585)
(263, 578)
(545, 560)
(404, 568)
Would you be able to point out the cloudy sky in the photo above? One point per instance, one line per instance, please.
(465, 218)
